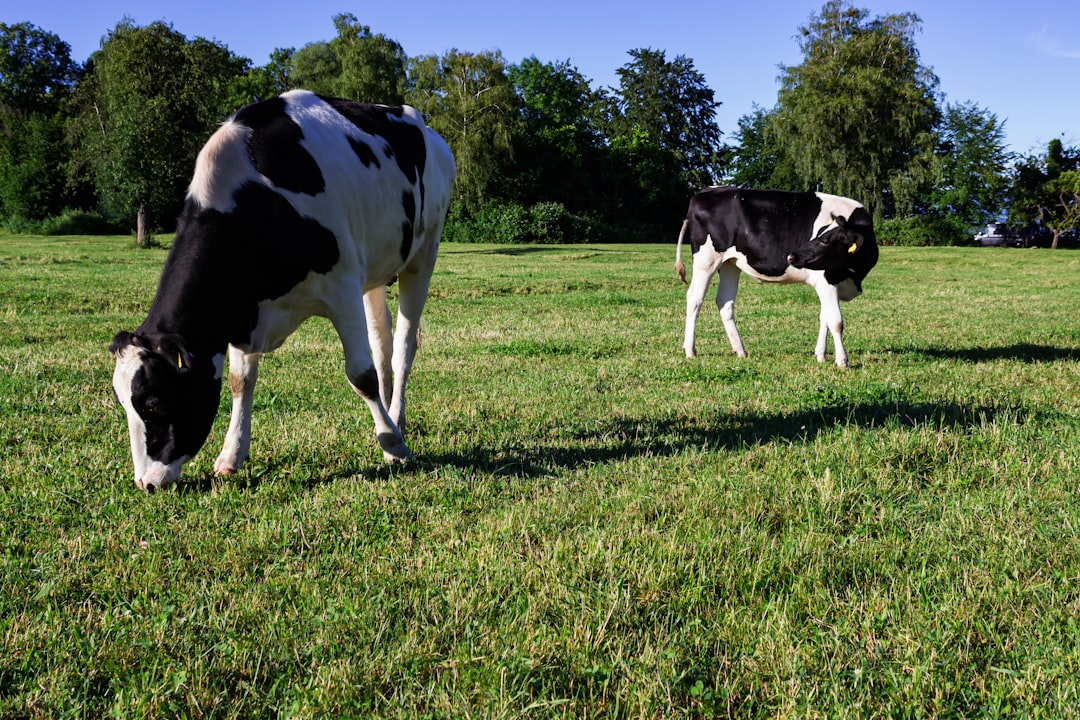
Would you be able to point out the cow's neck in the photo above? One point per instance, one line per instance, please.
(194, 300)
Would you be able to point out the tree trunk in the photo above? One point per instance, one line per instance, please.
(1054, 242)
(142, 225)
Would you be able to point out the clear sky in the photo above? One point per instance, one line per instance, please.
(1019, 59)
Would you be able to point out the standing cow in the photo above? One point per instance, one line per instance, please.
(824, 241)
(299, 206)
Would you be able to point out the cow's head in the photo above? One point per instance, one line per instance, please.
(845, 249)
(170, 397)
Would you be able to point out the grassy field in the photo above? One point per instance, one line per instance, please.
(593, 526)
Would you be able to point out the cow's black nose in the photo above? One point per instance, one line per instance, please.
(150, 489)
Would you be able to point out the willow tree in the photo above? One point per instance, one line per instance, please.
(857, 116)
(468, 99)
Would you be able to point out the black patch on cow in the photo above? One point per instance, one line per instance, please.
(367, 383)
(275, 149)
(408, 204)
(222, 264)
(365, 153)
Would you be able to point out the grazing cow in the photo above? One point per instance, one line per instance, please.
(822, 240)
(300, 205)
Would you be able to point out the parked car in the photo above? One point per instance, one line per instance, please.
(999, 235)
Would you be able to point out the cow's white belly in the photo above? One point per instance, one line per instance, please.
(791, 275)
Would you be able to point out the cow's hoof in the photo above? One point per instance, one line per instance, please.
(393, 447)
(225, 467)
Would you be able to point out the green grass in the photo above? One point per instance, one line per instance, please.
(594, 526)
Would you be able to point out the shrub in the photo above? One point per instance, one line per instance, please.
(546, 223)
(923, 230)
(69, 222)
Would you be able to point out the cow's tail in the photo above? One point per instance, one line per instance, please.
(679, 267)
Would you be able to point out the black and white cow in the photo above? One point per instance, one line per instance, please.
(824, 241)
(300, 205)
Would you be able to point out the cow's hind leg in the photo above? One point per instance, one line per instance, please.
(695, 296)
(243, 372)
(727, 276)
(352, 327)
(413, 286)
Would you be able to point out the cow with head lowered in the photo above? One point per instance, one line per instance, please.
(824, 241)
(299, 206)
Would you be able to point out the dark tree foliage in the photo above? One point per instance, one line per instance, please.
(559, 154)
(668, 104)
(758, 158)
(1045, 190)
(973, 160)
(372, 65)
(37, 73)
(37, 77)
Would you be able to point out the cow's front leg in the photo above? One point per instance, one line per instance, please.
(831, 321)
(380, 339)
(352, 328)
(243, 372)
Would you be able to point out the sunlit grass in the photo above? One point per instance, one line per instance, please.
(593, 525)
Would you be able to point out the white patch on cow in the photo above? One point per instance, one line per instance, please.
(222, 165)
(832, 205)
(128, 363)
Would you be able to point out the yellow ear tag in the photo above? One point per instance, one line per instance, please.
(180, 359)
(853, 249)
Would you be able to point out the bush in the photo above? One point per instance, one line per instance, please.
(545, 223)
(923, 230)
(69, 222)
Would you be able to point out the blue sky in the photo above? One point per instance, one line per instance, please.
(1018, 59)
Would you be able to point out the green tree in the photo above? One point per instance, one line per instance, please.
(148, 102)
(372, 65)
(857, 116)
(37, 73)
(1061, 209)
(37, 77)
(467, 98)
(558, 151)
(973, 162)
(315, 67)
(264, 81)
(1044, 190)
(669, 103)
(758, 158)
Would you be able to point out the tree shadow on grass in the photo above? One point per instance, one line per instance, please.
(1025, 352)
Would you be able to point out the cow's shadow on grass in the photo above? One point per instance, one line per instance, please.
(1024, 352)
(623, 438)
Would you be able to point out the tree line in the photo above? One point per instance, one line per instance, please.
(543, 155)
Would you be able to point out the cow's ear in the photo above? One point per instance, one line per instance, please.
(171, 347)
(840, 220)
(125, 339)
